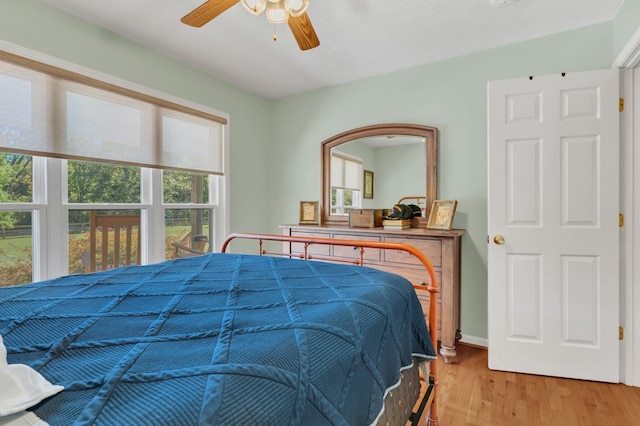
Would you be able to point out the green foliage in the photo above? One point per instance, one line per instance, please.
(15, 185)
(89, 183)
(182, 187)
(100, 183)
(348, 198)
(18, 270)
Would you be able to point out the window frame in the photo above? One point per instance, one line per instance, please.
(50, 230)
(49, 208)
(339, 208)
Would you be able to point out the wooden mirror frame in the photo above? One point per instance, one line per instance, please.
(430, 134)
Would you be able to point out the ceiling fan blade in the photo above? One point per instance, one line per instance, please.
(207, 11)
(303, 32)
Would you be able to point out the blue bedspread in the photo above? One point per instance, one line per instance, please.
(217, 339)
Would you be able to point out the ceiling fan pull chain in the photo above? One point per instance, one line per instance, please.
(275, 36)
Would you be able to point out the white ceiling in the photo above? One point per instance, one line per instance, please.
(358, 38)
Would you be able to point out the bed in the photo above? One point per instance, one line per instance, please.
(224, 339)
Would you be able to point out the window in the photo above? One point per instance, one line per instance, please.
(79, 240)
(185, 224)
(111, 186)
(16, 239)
(16, 248)
(346, 184)
(16, 176)
(185, 210)
(187, 227)
(89, 183)
(182, 187)
(71, 144)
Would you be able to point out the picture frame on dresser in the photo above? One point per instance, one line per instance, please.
(442, 214)
(309, 213)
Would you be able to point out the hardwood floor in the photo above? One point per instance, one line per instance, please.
(471, 394)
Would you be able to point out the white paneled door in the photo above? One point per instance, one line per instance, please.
(553, 184)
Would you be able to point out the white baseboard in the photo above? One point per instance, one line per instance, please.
(476, 341)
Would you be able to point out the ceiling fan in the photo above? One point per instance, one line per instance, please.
(292, 12)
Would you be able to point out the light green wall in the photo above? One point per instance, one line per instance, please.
(42, 28)
(399, 172)
(450, 95)
(626, 23)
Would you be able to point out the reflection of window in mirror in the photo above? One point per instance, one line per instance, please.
(402, 156)
(346, 185)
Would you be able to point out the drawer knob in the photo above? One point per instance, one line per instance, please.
(498, 239)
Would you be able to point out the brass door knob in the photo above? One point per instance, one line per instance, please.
(498, 239)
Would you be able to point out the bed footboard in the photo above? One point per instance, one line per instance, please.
(428, 400)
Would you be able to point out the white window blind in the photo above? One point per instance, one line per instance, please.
(337, 171)
(191, 141)
(44, 114)
(97, 124)
(352, 174)
(22, 109)
(345, 172)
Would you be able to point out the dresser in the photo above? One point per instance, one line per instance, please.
(441, 247)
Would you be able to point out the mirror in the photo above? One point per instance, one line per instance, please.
(403, 160)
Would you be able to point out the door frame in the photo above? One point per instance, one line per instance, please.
(628, 61)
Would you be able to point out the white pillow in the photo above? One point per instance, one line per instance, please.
(21, 386)
(25, 418)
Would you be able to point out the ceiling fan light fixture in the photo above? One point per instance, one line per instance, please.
(255, 7)
(296, 7)
(276, 13)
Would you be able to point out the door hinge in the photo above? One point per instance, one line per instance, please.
(621, 104)
(620, 333)
(620, 220)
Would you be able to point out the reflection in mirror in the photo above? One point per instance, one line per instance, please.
(398, 163)
(403, 162)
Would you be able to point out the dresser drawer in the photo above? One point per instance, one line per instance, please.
(430, 247)
(314, 249)
(354, 252)
(415, 276)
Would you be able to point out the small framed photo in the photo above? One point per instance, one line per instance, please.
(442, 213)
(309, 213)
(368, 185)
